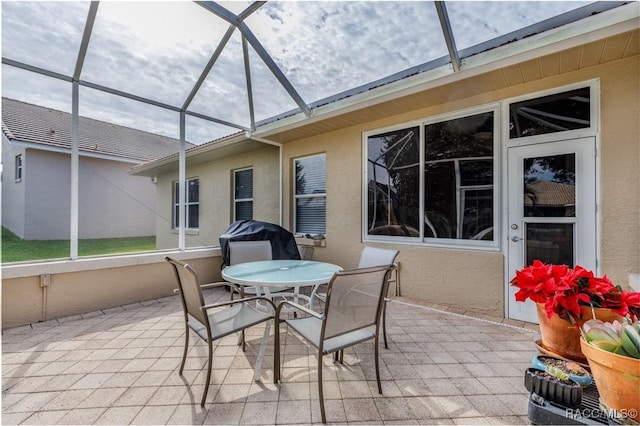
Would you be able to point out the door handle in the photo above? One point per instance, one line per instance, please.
(515, 239)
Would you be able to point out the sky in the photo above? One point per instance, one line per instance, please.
(158, 50)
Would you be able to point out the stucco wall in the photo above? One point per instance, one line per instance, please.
(78, 287)
(620, 161)
(216, 196)
(13, 193)
(474, 279)
(47, 196)
(112, 202)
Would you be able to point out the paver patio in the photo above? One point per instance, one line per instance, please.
(120, 366)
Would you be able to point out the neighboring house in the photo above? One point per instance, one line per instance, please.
(451, 153)
(36, 181)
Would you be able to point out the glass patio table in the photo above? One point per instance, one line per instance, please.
(269, 274)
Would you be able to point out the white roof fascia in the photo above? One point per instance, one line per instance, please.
(63, 150)
(611, 22)
(191, 152)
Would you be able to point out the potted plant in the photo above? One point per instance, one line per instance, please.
(554, 385)
(613, 352)
(567, 297)
(572, 369)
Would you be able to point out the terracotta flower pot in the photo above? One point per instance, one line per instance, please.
(617, 378)
(562, 338)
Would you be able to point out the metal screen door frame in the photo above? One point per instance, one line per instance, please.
(583, 223)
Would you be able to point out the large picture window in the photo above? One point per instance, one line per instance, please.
(243, 194)
(310, 195)
(435, 181)
(192, 207)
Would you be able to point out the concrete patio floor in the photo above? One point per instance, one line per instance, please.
(120, 366)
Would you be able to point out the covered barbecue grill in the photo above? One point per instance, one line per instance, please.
(283, 243)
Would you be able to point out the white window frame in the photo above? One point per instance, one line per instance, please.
(296, 197)
(19, 167)
(592, 130)
(237, 200)
(493, 245)
(188, 204)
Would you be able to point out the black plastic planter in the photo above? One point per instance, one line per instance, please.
(552, 389)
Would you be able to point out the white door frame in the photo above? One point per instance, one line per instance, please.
(586, 235)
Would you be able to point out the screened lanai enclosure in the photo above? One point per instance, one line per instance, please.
(198, 71)
(473, 137)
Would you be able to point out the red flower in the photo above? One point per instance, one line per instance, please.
(564, 291)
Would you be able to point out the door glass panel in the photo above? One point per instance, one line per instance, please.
(550, 243)
(550, 186)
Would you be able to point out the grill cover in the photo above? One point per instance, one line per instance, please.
(283, 244)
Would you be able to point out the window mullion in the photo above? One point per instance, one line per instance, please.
(459, 201)
(421, 181)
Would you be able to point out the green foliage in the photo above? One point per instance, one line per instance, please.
(557, 372)
(15, 249)
(622, 338)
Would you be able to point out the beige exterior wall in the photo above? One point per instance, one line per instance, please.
(475, 279)
(86, 286)
(216, 196)
(620, 169)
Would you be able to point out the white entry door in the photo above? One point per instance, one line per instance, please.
(551, 210)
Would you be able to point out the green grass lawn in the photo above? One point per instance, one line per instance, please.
(15, 249)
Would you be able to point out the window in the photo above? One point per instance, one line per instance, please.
(393, 188)
(192, 202)
(310, 206)
(18, 168)
(559, 112)
(458, 176)
(435, 182)
(243, 194)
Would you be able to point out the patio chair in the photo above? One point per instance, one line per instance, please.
(372, 256)
(351, 315)
(208, 322)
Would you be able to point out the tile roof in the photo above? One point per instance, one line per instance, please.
(46, 126)
(551, 194)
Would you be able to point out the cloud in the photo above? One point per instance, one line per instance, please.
(476, 22)
(158, 50)
(44, 34)
(328, 47)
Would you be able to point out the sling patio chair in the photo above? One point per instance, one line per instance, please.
(351, 315)
(373, 256)
(213, 321)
